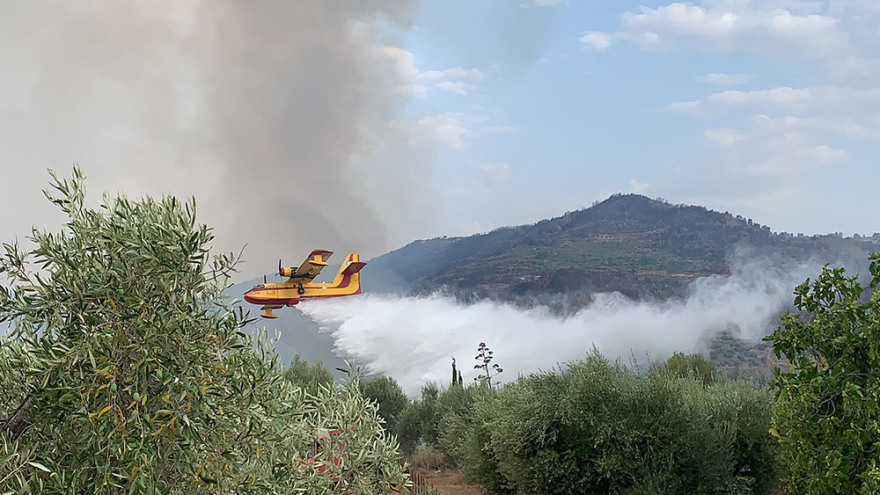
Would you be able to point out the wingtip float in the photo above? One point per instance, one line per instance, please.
(299, 284)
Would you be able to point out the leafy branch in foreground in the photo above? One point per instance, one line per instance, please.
(826, 415)
(127, 369)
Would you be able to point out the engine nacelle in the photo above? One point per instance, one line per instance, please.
(286, 271)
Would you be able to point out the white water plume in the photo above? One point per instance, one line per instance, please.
(413, 339)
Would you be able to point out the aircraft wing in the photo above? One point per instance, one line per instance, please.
(313, 265)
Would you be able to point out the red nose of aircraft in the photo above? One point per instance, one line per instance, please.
(253, 296)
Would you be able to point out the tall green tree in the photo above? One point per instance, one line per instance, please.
(827, 416)
(688, 365)
(127, 371)
(309, 377)
(417, 423)
(389, 398)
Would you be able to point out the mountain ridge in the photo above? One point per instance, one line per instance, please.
(643, 248)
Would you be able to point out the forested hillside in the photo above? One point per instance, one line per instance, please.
(640, 247)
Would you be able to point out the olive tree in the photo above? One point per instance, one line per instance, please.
(126, 369)
(389, 397)
(827, 415)
(309, 377)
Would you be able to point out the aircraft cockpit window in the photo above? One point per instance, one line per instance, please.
(261, 286)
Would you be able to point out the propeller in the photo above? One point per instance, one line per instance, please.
(279, 268)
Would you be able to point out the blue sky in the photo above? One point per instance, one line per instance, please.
(767, 109)
(366, 125)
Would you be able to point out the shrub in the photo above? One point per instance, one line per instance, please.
(428, 457)
(603, 428)
(389, 398)
(310, 378)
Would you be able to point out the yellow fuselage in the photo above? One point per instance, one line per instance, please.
(291, 292)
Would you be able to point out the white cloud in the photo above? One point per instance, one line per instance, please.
(457, 87)
(784, 164)
(775, 199)
(725, 79)
(773, 96)
(457, 72)
(495, 172)
(844, 125)
(446, 128)
(735, 26)
(404, 66)
(540, 3)
(683, 19)
(817, 100)
(453, 129)
(841, 34)
(638, 187)
(456, 79)
(597, 40)
(781, 97)
(771, 151)
(692, 106)
(725, 136)
(412, 81)
(824, 153)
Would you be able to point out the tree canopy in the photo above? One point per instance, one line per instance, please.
(827, 415)
(125, 368)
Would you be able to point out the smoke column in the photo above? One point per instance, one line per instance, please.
(413, 339)
(257, 108)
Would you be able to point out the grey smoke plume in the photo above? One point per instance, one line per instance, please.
(412, 339)
(258, 108)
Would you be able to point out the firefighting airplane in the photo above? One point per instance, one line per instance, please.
(299, 285)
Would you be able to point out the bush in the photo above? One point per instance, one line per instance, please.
(689, 365)
(389, 397)
(417, 424)
(310, 378)
(603, 428)
(429, 458)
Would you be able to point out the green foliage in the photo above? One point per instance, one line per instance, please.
(428, 458)
(689, 365)
(310, 378)
(417, 423)
(827, 415)
(440, 419)
(603, 428)
(388, 396)
(739, 359)
(455, 413)
(127, 371)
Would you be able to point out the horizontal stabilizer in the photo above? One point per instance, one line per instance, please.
(353, 267)
(323, 253)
